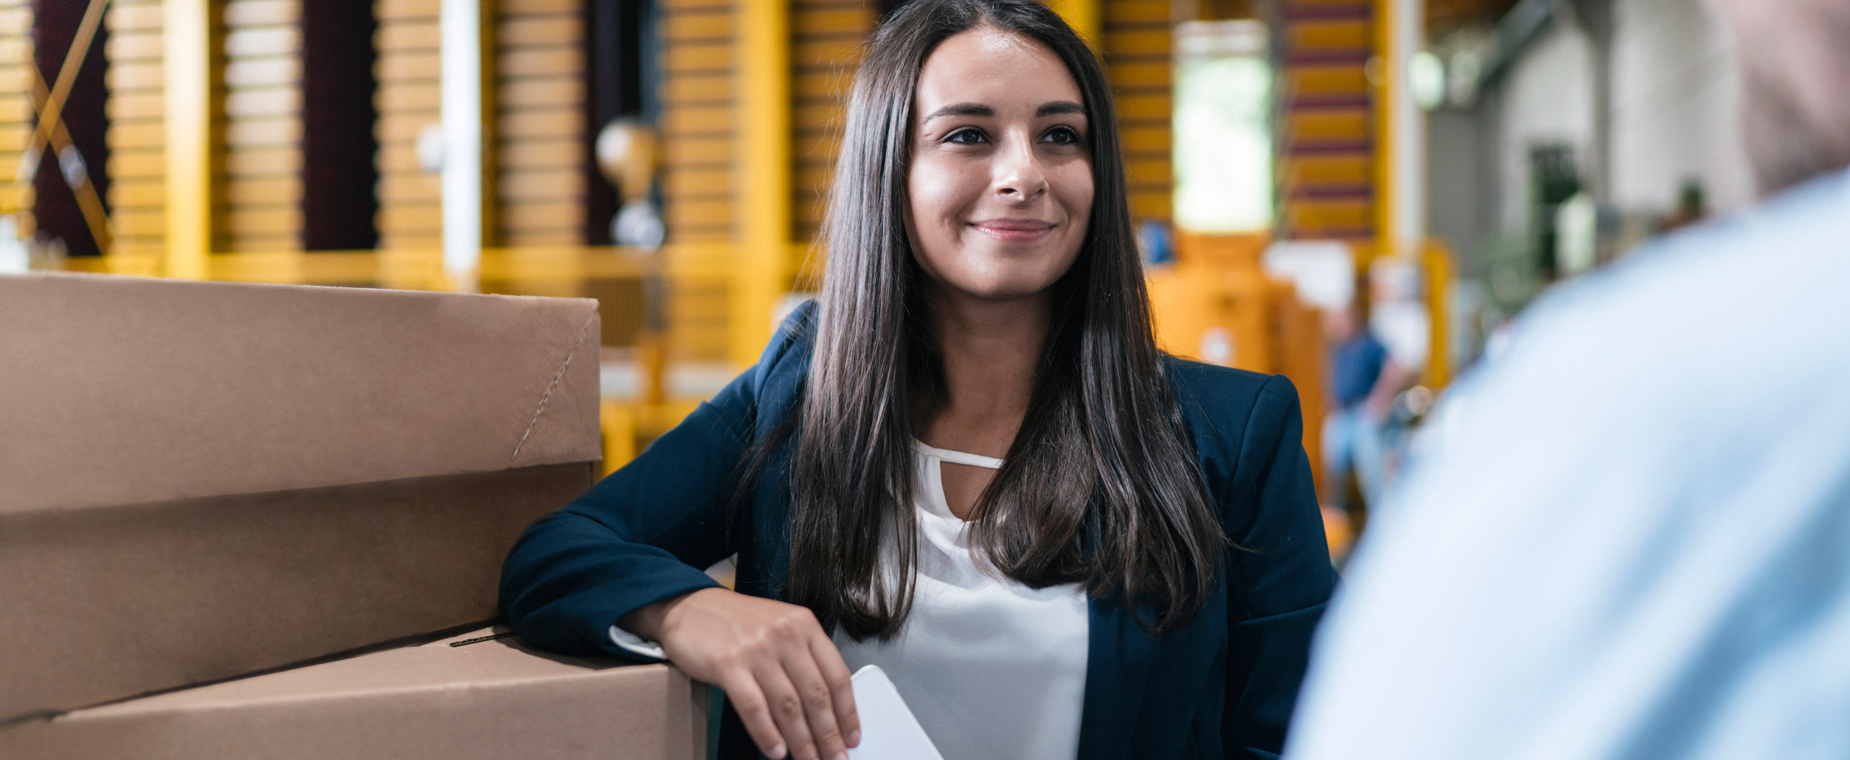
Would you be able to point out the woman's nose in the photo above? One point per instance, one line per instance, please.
(1018, 174)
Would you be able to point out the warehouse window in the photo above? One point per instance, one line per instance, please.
(1223, 154)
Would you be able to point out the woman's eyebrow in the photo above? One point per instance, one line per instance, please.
(962, 109)
(1054, 108)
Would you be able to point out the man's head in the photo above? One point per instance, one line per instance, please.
(1795, 76)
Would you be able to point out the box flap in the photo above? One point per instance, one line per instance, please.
(481, 701)
(481, 659)
(126, 390)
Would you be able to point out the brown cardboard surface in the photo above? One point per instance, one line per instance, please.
(490, 699)
(202, 480)
(108, 603)
(125, 390)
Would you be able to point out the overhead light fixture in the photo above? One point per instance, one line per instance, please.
(1426, 80)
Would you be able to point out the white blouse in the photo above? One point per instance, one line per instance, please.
(990, 667)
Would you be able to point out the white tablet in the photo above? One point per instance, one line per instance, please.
(888, 730)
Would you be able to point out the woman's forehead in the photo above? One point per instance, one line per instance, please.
(992, 67)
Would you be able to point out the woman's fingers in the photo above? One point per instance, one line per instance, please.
(841, 688)
(781, 673)
(786, 706)
(754, 711)
(818, 700)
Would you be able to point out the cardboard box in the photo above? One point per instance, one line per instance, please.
(491, 699)
(203, 480)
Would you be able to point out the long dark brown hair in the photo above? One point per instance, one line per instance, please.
(1100, 486)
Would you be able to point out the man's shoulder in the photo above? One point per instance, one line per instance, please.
(1707, 352)
(1796, 242)
(1763, 287)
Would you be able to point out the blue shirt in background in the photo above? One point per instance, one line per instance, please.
(1355, 368)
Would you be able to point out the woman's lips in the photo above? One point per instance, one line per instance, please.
(1014, 230)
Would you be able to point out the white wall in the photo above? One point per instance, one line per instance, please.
(1548, 97)
(1460, 200)
(1673, 109)
(1674, 106)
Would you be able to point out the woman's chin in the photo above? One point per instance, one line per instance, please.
(1010, 289)
(1008, 277)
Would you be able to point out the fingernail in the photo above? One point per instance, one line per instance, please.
(777, 752)
(854, 738)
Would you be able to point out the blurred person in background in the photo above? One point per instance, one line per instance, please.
(1630, 537)
(1364, 378)
(1352, 429)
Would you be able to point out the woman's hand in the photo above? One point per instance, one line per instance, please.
(777, 666)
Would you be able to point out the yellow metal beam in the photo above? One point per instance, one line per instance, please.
(1385, 76)
(764, 76)
(1438, 268)
(422, 268)
(52, 114)
(189, 42)
(618, 423)
(490, 108)
(88, 202)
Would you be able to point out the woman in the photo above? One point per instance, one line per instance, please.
(968, 462)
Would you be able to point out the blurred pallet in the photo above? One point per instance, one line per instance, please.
(541, 140)
(261, 108)
(409, 71)
(16, 123)
(699, 127)
(825, 40)
(1326, 166)
(1139, 50)
(137, 163)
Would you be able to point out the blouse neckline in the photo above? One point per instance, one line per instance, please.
(957, 457)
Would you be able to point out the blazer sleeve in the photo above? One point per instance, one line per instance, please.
(1279, 575)
(644, 533)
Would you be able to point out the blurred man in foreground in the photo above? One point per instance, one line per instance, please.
(1632, 539)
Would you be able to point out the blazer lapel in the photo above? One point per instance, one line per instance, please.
(1117, 670)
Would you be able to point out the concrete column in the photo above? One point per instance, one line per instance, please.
(463, 140)
(1408, 152)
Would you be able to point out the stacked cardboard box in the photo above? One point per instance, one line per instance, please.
(204, 481)
(473, 697)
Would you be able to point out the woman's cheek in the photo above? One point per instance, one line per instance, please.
(934, 245)
(1076, 185)
(943, 207)
(937, 189)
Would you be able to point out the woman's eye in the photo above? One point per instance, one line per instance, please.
(1062, 136)
(966, 137)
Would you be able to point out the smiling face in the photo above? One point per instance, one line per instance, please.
(1000, 188)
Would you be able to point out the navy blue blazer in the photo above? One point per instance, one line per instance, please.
(1221, 686)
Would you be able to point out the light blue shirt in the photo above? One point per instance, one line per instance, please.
(1631, 535)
